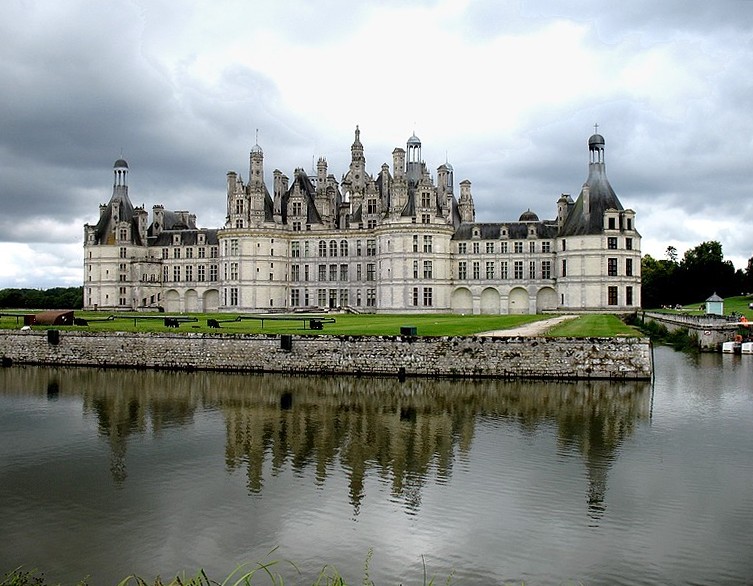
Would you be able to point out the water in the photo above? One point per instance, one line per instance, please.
(111, 473)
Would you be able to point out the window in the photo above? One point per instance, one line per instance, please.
(490, 248)
(322, 248)
(333, 272)
(427, 243)
(295, 272)
(165, 274)
(415, 295)
(428, 296)
(415, 269)
(489, 269)
(202, 252)
(176, 273)
(343, 297)
(371, 248)
(297, 226)
(518, 247)
(322, 272)
(462, 270)
(476, 269)
(518, 269)
(546, 247)
(462, 247)
(564, 245)
(189, 273)
(358, 248)
(214, 252)
(233, 295)
(295, 249)
(415, 243)
(214, 272)
(234, 270)
(427, 269)
(358, 298)
(426, 218)
(123, 252)
(629, 267)
(306, 248)
(628, 295)
(370, 297)
(503, 270)
(295, 297)
(176, 252)
(233, 246)
(239, 223)
(546, 269)
(359, 272)
(612, 242)
(564, 268)
(475, 247)
(297, 208)
(343, 248)
(531, 270)
(531, 247)
(629, 223)
(333, 247)
(165, 253)
(611, 223)
(629, 243)
(612, 295)
(503, 247)
(123, 234)
(371, 206)
(612, 267)
(370, 271)
(238, 206)
(306, 276)
(201, 273)
(344, 273)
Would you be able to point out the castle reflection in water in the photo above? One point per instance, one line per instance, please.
(403, 431)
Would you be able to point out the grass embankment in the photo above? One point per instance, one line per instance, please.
(593, 326)
(738, 304)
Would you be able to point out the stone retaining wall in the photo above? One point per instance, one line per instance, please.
(462, 356)
(710, 331)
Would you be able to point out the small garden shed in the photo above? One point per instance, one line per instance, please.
(715, 305)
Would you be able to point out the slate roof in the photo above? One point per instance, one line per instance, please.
(515, 230)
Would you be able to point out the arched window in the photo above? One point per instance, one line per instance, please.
(322, 248)
(333, 247)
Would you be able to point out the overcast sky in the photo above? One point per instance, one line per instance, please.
(507, 92)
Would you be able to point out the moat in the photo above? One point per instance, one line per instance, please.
(107, 473)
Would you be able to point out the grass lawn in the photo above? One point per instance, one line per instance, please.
(738, 304)
(345, 324)
(594, 325)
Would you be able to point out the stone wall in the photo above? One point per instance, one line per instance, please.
(468, 356)
(709, 331)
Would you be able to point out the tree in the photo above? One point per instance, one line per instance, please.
(704, 271)
(658, 282)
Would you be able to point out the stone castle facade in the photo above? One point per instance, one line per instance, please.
(398, 241)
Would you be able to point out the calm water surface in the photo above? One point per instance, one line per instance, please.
(111, 473)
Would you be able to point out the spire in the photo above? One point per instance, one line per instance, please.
(356, 150)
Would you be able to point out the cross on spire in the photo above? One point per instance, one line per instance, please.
(596, 129)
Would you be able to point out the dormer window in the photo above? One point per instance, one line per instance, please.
(176, 239)
(476, 233)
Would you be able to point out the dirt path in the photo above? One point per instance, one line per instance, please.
(532, 329)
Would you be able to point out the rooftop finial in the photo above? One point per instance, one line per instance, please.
(596, 129)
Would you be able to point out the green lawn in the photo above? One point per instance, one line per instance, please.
(594, 325)
(738, 304)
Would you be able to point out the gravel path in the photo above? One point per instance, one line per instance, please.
(532, 329)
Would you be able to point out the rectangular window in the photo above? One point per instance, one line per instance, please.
(415, 269)
(612, 296)
(546, 269)
(611, 223)
(359, 272)
(295, 297)
(462, 247)
(176, 273)
(233, 246)
(214, 251)
(426, 218)
(415, 295)
(371, 248)
(427, 269)
(321, 297)
(165, 274)
(189, 252)
(629, 243)
(233, 295)
(370, 272)
(490, 248)
(370, 297)
(564, 245)
(322, 272)
(518, 269)
(503, 270)
(531, 247)
(462, 270)
(306, 275)
(628, 295)
(475, 247)
(322, 248)
(189, 273)
(564, 268)
(612, 267)
(202, 252)
(344, 273)
(201, 273)
(612, 242)
(427, 243)
(306, 248)
(176, 252)
(531, 270)
(629, 267)
(233, 270)
(295, 272)
(503, 247)
(333, 272)
(490, 269)
(428, 297)
(476, 269)
(165, 253)
(546, 247)
(518, 247)
(214, 273)
(295, 249)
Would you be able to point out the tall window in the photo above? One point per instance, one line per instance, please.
(490, 248)
(322, 272)
(371, 248)
(612, 267)
(176, 273)
(518, 247)
(612, 296)
(189, 273)
(546, 247)
(628, 295)
(427, 269)
(462, 247)
(333, 247)
(415, 243)
(415, 295)
(612, 242)
(370, 297)
(344, 273)
(371, 272)
(532, 270)
(295, 272)
(476, 269)
(428, 296)
(295, 297)
(333, 272)
(518, 269)
(546, 269)
(202, 252)
(415, 269)
(503, 270)
(462, 270)
(427, 243)
(503, 247)
(233, 246)
(201, 273)
(295, 249)
(490, 269)
(214, 272)
(629, 267)
(233, 270)
(322, 248)
(564, 267)
(343, 248)
(371, 206)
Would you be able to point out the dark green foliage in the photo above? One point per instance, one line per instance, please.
(55, 298)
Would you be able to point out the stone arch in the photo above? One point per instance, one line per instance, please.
(546, 299)
(211, 300)
(192, 301)
(172, 301)
(490, 301)
(518, 300)
(462, 300)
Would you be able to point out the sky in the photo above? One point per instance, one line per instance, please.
(507, 92)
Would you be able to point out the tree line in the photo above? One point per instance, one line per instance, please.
(54, 298)
(700, 273)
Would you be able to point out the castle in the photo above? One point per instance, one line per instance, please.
(399, 241)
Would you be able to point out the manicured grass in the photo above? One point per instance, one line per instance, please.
(345, 324)
(594, 325)
(737, 304)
